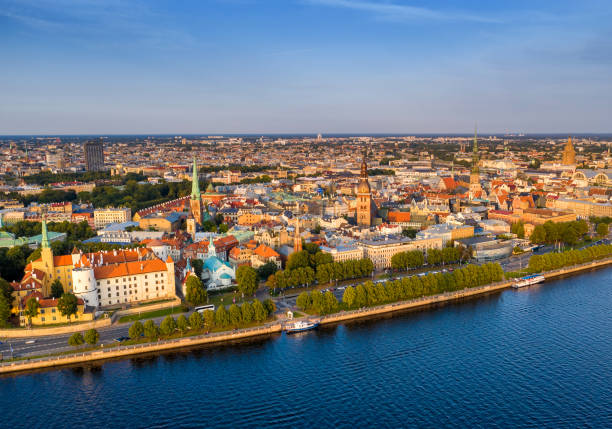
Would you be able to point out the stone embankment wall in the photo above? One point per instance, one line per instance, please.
(57, 330)
(123, 351)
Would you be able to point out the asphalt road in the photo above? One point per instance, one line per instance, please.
(59, 343)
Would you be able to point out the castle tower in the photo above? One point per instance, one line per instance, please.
(297, 239)
(475, 187)
(195, 203)
(84, 285)
(364, 195)
(569, 154)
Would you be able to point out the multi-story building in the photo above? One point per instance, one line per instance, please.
(94, 155)
(381, 249)
(583, 209)
(103, 217)
(344, 253)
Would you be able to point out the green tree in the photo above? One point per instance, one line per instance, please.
(538, 235)
(303, 301)
(91, 337)
(31, 309)
(330, 303)
(298, 259)
(151, 331)
(349, 297)
(5, 311)
(67, 305)
(259, 311)
(182, 324)
(196, 321)
(168, 325)
(235, 315)
(195, 292)
(209, 318)
(266, 270)
(602, 229)
(221, 317)
(76, 339)
(361, 297)
(518, 228)
(246, 277)
(269, 306)
(247, 312)
(57, 290)
(136, 330)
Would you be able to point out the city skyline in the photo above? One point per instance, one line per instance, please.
(309, 66)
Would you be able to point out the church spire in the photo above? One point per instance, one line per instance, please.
(44, 243)
(195, 182)
(475, 152)
(364, 165)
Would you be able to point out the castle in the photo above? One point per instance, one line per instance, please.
(104, 278)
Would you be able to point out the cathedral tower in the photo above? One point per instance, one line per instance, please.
(569, 154)
(364, 196)
(475, 188)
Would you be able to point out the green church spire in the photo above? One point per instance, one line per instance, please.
(195, 182)
(44, 243)
(475, 152)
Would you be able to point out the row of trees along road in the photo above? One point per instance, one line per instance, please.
(309, 264)
(90, 337)
(236, 316)
(415, 258)
(553, 261)
(370, 294)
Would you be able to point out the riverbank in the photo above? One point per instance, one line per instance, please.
(276, 327)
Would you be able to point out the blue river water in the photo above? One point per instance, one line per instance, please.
(538, 357)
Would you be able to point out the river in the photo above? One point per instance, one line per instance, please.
(538, 357)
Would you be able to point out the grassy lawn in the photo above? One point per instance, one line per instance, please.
(152, 314)
(227, 298)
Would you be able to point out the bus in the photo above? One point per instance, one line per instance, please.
(203, 308)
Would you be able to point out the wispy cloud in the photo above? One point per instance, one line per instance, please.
(98, 22)
(401, 12)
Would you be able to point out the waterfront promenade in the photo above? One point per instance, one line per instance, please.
(274, 327)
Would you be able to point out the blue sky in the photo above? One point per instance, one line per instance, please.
(329, 66)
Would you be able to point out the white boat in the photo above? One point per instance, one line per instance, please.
(528, 281)
(300, 326)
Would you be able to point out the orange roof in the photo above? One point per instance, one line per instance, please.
(62, 260)
(397, 216)
(449, 183)
(129, 268)
(266, 252)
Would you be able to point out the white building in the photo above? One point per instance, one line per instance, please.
(103, 217)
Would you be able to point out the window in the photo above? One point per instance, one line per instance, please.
(53, 310)
(42, 310)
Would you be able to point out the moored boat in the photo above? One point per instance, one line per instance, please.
(528, 281)
(300, 326)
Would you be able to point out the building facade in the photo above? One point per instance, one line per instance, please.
(94, 155)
